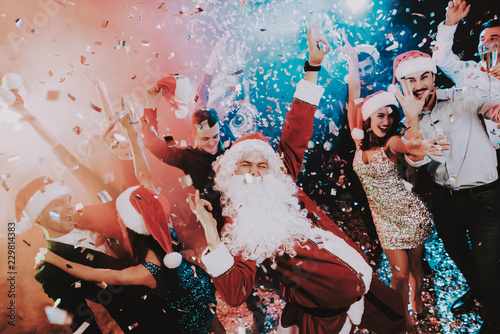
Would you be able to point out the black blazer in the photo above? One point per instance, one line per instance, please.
(133, 307)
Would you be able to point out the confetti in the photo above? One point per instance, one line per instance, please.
(145, 43)
(27, 243)
(69, 266)
(71, 97)
(104, 24)
(102, 285)
(82, 328)
(89, 257)
(186, 181)
(96, 108)
(77, 129)
(169, 139)
(133, 326)
(19, 23)
(52, 95)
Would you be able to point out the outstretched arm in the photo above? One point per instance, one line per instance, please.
(103, 96)
(418, 146)
(141, 167)
(442, 53)
(137, 275)
(354, 82)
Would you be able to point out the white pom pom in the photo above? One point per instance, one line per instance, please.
(357, 133)
(12, 81)
(392, 89)
(182, 112)
(172, 260)
(22, 92)
(6, 96)
(23, 225)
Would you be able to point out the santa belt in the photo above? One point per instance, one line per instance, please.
(323, 312)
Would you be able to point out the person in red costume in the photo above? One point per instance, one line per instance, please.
(326, 280)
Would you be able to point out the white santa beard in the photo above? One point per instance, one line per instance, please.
(266, 218)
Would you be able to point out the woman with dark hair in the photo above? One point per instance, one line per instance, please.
(402, 220)
(143, 216)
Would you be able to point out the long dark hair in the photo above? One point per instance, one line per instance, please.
(370, 140)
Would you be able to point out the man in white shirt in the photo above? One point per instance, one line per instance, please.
(468, 73)
(466, 194)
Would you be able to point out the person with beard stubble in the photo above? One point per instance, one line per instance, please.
(466, 188)
(326, 280)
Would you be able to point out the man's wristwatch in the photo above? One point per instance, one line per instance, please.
(310, 68)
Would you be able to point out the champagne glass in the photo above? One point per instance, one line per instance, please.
(488, 53)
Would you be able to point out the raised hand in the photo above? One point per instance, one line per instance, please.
(412, 106)
(127, 118)
(348, 49)
(199, 207)
(456, 11)
(316, 51)
(432, 146)
(153, 94)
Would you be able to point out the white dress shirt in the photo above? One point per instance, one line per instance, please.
(471, 160)
(83, 238)
(464, 73)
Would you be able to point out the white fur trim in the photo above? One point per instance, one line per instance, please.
(340, 248)
(39, 201)
(346, 329)
(6, 96)
(182, 89)
(251, 145)
(355, 312)
(308, 92)
(370, 49)
(129, 215)
(218, 262)
(376, 102)
(357, 133)
(413, 65)
(23, 225)
(172, 260)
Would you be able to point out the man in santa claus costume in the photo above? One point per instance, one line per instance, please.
(326, 280)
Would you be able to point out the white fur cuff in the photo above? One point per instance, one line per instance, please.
(40, 200)
(218, 262)
(355, 312)
(308, 92)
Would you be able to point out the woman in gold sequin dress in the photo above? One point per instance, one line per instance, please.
(402, 220)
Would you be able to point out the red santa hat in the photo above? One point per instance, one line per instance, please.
(145, 213)
(370, 105)
(411, 62)
(177, 91)
(34, 198)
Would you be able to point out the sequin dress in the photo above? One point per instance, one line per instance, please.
(401, 218)
(195, 302)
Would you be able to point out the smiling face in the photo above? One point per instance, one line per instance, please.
(381, 121)
(57, 218)
(491, 35)
(208, 139)
(419, 83)
(253, 163)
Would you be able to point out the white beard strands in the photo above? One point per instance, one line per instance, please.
(266, 217)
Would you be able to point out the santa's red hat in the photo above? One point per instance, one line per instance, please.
(145, 213)
(177, 91)
(411, 62)
(34, 198)
(370, 105)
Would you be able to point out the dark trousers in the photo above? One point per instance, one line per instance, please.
(468, 222)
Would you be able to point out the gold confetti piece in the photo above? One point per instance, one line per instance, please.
(27, 243)
(194, 271)
(104, 24)
(77, 129)
(5, 186)
(52, 95)
(83, 59)
(133, 326)
(96, 108)
(185, 181)
(71, 97)
(97, 43)
(62, 80)
(89, 257)
(102, 285)
(50, 73)
(82, 328)
(358, 288)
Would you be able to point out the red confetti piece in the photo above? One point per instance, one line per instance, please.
(96, 108)
(52, 95)
(50, 73)
(71, 97)
(77, 129)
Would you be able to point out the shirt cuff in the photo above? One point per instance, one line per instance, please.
(218, 262)
(308, 92)
(417, 164)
